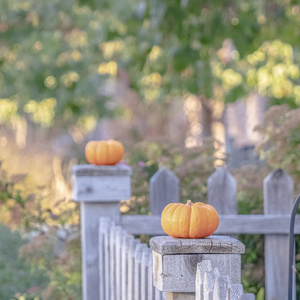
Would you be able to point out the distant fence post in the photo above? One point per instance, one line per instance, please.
(175, 262)
(99, 189)
(164, 189)
(278, 200)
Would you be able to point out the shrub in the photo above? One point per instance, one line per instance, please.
(16, 275)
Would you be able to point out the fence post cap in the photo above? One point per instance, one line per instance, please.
(210, 245)
(93, 170)
(101, 183)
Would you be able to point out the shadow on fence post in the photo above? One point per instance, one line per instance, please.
(278, 200)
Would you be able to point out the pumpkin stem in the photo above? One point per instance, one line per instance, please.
(189, 203)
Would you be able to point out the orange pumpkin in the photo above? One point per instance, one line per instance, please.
(191, 220)
(104, 152)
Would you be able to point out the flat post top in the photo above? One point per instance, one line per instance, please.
(93, 170)
(101, 183)
(210, 245)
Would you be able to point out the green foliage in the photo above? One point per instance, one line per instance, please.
(63, 271)
(56, 56)
(37, 273)
(281, 140)
(66, 277)
(192, 166)
(16, 276)
(270, 70)
(280, 148)
(50, 59)
(8, 190)
(17, 209)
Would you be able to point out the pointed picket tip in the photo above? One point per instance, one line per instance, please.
(164, 189)
(202, 267)
(221, 173)
(221, 192)
(278, 175)
(162, 173)
(278, 192)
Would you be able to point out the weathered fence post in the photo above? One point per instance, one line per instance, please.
(99, 189)
(278, 200)
(175, 262)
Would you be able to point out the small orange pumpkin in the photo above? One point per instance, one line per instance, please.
(191, 220)
(104, 152)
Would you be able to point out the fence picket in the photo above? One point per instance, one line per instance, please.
(125, 261)
(104, 223)
(211, 286)
(202, 267)
(278, 199)
(216, 273)
(131, 267)
(208, 285)
(113, 234)
(119, 243)
(144, 273)
(221, 288)
(153, 292)
(107, 261)
(221, 192)
(137, 270)
(164, 189)
(236, 291)
(158, 295)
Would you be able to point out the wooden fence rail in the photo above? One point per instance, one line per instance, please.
(229, 224)
(99, 189)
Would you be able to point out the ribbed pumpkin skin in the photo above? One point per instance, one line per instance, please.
(191, 220)
(104, 152)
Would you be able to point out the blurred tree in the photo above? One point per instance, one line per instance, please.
(57, 58)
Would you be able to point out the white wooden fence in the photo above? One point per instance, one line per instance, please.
(126, 264)
(100, 189)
